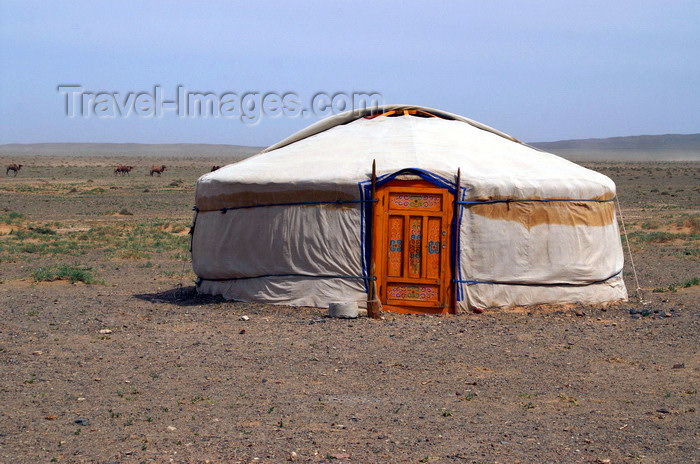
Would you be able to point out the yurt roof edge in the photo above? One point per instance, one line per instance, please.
(349, 116)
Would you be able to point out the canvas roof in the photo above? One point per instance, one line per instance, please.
(336, 154)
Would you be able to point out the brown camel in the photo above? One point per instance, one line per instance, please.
(13, 167)
(157, 170)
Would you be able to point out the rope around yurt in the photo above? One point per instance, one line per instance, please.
(629, 251)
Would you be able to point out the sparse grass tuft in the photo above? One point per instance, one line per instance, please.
(64, 272)
(43, 230)
(570, 399)
(660, 237)
(124, 240)
(11, 218)
(674, 287)
(94, 191)
(655, 237)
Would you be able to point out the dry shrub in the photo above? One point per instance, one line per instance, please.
(692, 223)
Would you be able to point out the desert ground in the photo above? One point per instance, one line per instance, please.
(107, 354)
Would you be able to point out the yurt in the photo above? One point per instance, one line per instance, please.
(420, 209)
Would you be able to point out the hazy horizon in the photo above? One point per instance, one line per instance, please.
(667, 147)
(264, 146)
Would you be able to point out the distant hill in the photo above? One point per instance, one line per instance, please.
(130, 149)
(669, 147)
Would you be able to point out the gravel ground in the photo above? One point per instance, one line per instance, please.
(133, 369)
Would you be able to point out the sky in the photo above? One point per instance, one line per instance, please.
(537, 70)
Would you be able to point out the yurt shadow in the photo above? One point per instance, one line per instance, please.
(180, 296)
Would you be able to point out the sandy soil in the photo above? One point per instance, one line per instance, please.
(135, 368)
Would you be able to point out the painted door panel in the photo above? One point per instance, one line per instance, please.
(412, 243)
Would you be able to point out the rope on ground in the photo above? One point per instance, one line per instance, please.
(629, 251)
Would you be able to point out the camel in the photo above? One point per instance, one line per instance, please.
(121, 170)
(13, 167)
(157, 170)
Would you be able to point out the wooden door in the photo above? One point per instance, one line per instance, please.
(411, 247)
